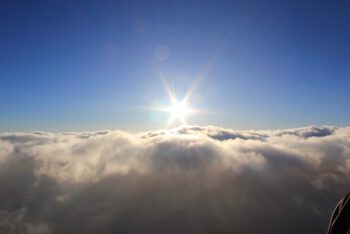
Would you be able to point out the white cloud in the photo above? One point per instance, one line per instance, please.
(184, 180)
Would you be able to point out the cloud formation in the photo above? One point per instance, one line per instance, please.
(184, 180)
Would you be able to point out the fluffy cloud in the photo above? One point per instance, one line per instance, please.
(185, 180)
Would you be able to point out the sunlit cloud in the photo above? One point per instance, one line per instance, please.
(187, 179)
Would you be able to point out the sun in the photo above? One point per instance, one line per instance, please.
(179, 110)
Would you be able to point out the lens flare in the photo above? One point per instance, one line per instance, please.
(179, 110)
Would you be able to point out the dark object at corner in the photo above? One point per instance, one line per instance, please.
(340, 221)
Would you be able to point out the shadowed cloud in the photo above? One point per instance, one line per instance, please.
(183, 180)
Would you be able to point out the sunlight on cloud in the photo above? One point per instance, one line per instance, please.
(187, 179)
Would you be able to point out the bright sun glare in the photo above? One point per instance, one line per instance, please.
(179, 110)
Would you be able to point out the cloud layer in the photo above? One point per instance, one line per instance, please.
(185, 180)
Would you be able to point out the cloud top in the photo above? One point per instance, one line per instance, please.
(185, 180)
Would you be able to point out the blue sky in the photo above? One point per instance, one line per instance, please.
(86, 65)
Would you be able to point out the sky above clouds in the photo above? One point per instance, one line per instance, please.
(184, 180)
(87, 65)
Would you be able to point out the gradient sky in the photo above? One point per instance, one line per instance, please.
(86, 65)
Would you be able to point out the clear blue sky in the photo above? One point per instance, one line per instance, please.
(86, 65)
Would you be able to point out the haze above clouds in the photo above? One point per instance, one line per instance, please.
(184, 180)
